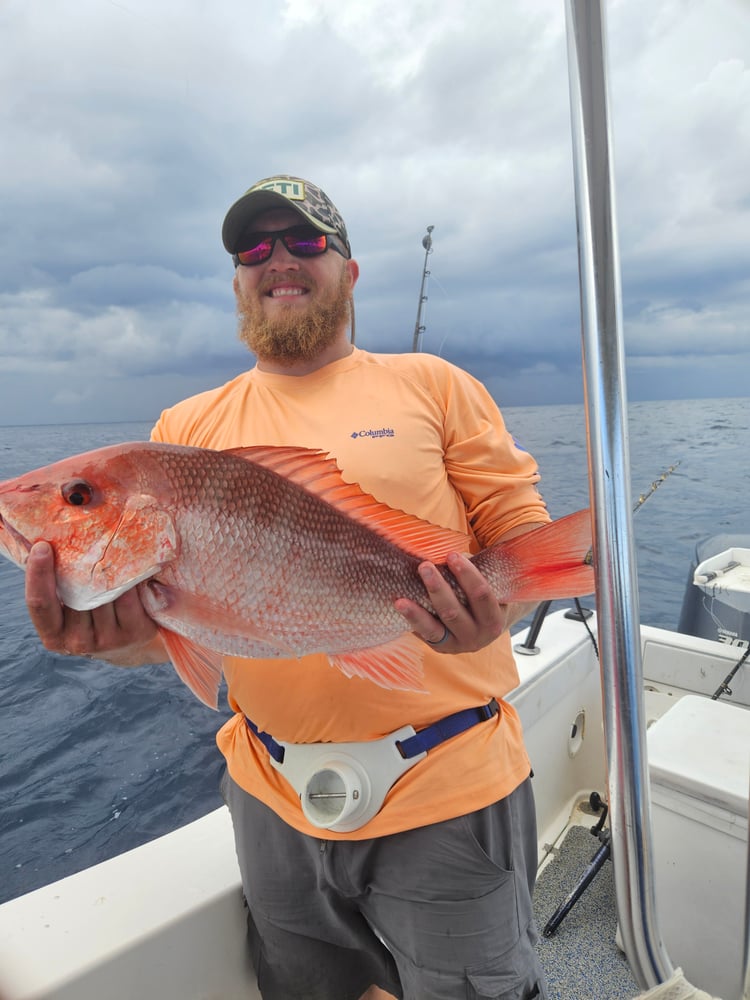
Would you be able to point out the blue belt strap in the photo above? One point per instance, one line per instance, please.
(274, 748)
(426, 739)
(451, 725)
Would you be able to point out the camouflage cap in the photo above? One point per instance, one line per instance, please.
(284, 191)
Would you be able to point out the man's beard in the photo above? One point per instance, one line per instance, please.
(293, 334)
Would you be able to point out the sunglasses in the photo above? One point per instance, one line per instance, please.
(300, 241)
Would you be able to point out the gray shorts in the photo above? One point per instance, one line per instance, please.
(438, 913)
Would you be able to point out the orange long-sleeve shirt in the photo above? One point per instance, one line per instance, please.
(424, 437)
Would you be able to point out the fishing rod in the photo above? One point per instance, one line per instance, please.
(644, 497)
(638, 504)
(724, 687)
(419, 327)
(654, 486)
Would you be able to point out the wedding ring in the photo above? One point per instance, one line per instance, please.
(443, 638)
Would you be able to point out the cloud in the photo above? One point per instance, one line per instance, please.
(172, 337)
(130, 127)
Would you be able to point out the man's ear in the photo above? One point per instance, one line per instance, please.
(353, 269)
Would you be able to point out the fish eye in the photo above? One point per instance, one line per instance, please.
(77, 494)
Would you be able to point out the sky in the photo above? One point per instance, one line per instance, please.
(129, 127)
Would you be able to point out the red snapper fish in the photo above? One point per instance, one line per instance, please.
(261, 552)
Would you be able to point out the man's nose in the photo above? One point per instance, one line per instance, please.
(281, 259)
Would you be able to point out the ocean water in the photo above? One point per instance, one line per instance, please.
(95, 760)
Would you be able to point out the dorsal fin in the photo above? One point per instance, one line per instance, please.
(318, 473)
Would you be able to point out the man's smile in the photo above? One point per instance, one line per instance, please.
(279, 291)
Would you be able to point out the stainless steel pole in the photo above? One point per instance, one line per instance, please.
(609, 474)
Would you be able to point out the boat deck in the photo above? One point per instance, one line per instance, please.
(581, 959)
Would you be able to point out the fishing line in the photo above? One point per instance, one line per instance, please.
(584, 618)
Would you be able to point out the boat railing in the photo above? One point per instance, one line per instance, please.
(529, 647)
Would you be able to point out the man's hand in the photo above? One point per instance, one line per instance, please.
(456, 628)
(121, 632)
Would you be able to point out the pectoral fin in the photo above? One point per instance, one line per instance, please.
(393, 665)
(197, 667)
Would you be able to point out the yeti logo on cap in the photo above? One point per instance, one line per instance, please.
(294, 189)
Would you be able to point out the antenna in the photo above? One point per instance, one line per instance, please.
(419, 326)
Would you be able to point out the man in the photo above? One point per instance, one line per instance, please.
(430, 897)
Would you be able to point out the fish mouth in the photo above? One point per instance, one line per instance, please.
(12, 543)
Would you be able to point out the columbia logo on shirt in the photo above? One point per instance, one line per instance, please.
(380, 432)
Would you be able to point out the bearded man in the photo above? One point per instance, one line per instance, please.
(429, 896)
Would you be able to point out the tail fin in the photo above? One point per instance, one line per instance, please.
(551, 562)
